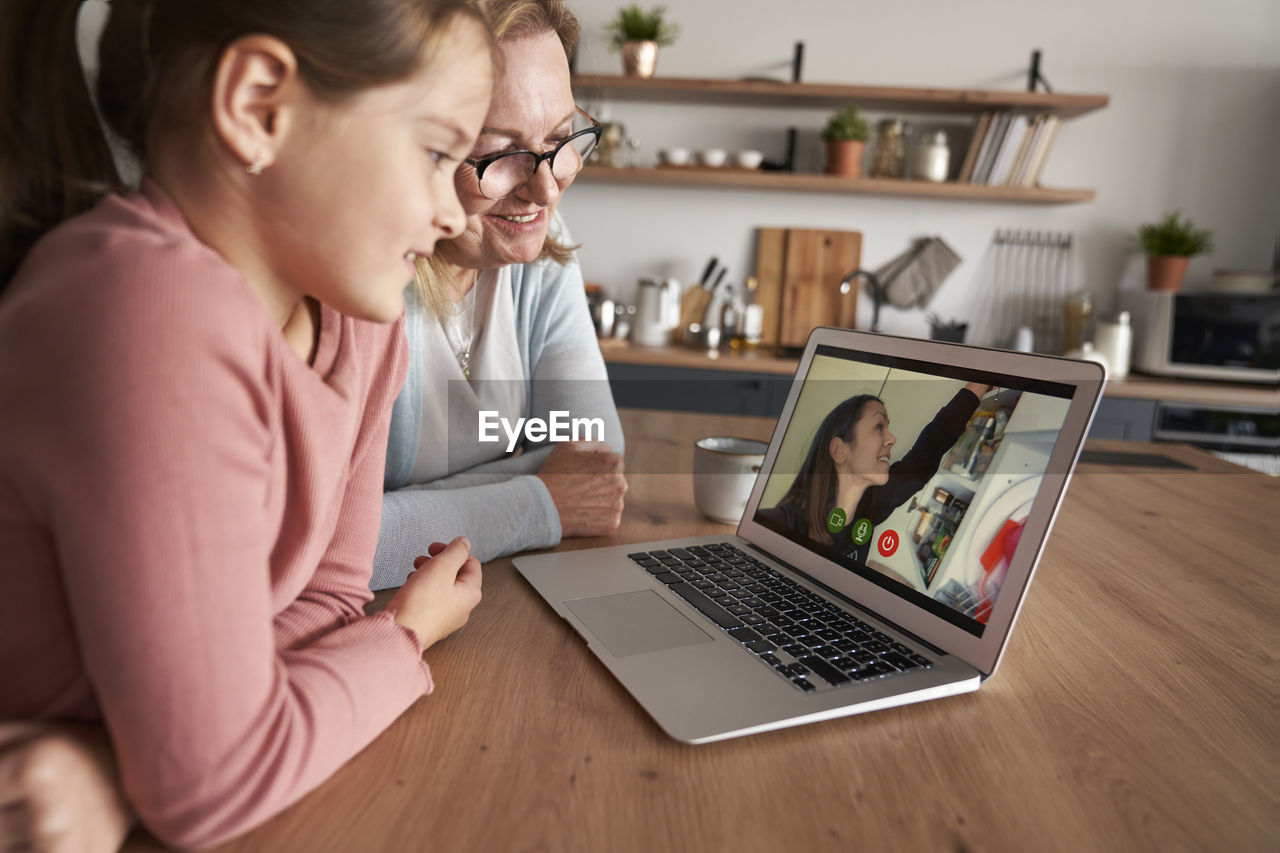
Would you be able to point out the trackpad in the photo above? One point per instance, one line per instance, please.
(632, 623)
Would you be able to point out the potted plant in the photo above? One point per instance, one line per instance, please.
(846, 133)
(638, 33)
(1169, 245)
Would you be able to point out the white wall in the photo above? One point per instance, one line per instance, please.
(1194, 122)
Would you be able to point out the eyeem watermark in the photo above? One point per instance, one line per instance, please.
(560, 427)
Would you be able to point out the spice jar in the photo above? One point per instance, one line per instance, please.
(891, 149)
(1077, 319)
(931, 158)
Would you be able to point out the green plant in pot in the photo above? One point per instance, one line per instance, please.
(1169, 245)
(638, 33)
(846, 134)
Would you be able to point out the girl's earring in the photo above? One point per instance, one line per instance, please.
(259, 163)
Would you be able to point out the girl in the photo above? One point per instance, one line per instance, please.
(196, 381)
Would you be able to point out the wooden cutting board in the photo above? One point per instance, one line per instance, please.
(799, 272)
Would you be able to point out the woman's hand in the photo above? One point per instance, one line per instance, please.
(60, 790)
(586, 483)
(979, 389)
(441, 593)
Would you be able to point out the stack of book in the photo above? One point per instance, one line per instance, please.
(1009, 149)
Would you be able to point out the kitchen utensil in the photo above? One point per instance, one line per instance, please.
(771, 251)
(1023, 279)
(695, 300)
(813, 266)
(715, 307)
(719, 279)
(657, 311)
(799, 273)
(748, 159)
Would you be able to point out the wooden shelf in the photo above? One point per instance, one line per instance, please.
(792, 182)
(871, 98)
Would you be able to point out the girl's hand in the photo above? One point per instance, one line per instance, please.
(60, 790)
(441, 593)
(979, 389)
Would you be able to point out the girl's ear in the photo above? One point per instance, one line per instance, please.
(256, 91)
(838, 449)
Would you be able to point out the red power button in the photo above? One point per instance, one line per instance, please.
(887, 543)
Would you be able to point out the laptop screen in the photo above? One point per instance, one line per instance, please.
(916, 476)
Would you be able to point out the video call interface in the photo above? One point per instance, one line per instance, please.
(916, 476)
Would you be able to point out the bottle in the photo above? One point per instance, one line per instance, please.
(1115, 341)
(931, 158)
(1077, 311)
(747, 324)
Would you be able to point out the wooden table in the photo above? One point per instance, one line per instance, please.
(1135, 709)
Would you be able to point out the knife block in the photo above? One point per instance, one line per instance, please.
(799, 272)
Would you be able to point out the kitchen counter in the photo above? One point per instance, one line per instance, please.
(1132, 387)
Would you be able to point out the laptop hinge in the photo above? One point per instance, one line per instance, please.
(846, 600)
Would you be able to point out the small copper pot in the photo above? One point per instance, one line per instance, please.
(639, 58)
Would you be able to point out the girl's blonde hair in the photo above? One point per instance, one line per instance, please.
(436, 279)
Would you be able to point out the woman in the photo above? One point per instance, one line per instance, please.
(195, 400)
(499, 323)
(846, 477)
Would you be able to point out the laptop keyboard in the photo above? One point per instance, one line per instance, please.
(801, 636)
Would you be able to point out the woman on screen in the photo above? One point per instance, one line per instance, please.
(847, 483)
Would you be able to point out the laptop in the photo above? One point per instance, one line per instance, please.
(883, 555)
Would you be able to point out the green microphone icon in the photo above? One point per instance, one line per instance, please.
(861, 531)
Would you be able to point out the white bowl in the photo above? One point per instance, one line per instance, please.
(674, 156)
(713, 156)
(749, 159)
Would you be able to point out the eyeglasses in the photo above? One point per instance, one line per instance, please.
(502, 174)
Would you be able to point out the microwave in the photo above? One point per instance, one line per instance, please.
(1207, 334)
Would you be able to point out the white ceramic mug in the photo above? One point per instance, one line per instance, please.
(724, 470)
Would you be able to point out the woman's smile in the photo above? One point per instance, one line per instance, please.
(521, 223)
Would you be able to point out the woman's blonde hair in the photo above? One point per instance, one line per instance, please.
(437, 278)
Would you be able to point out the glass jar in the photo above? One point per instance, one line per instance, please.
(931, 158)
(1077, 318)
(891, 149)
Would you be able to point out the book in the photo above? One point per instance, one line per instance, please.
(1023, 156)
(1041, 154)
(1023, 177)
(975, 144)
(995, 132)
(1008, 146)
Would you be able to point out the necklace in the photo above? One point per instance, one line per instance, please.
(460, 330)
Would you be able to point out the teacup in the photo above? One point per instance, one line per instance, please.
(724, 470)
